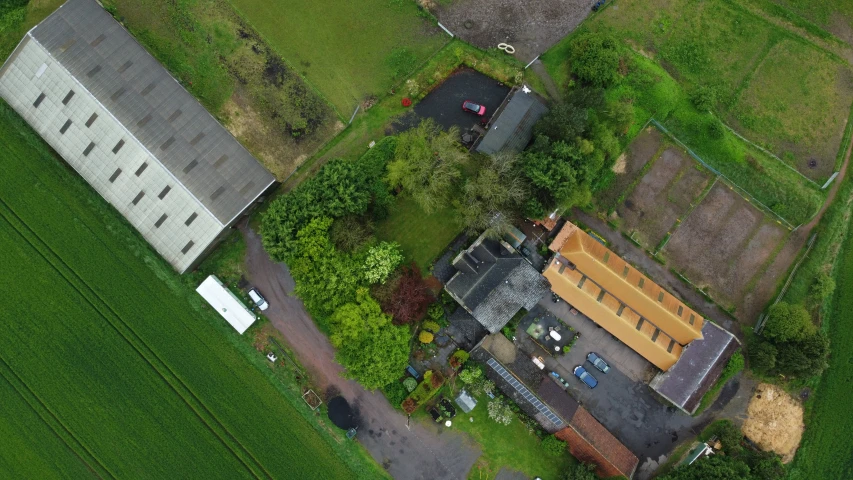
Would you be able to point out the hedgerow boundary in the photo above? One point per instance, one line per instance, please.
(745, 194)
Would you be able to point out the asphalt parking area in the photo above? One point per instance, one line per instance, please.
(444, 103)
(622, 401)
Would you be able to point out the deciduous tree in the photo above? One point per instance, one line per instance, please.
(381, 260)
(786, 322)
(411, 297)
(427, 163)
(490, 198)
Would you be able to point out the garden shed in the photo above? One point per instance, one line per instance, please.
(226, 304)
(511, 127)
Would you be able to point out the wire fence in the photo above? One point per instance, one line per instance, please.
(770, 154)
(726, 179)
(759, 325)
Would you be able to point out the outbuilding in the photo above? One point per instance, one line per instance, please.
(226, 304)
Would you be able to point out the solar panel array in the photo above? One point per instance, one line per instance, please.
(543, 409)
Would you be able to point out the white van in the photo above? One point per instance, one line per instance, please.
(259, 300)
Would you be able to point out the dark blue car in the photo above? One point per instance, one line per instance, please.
(585, 376)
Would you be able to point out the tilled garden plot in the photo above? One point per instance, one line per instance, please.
(663, 195)
(724, 244)
(640, 152)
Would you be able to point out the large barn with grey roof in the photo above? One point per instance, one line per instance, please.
(132, 131)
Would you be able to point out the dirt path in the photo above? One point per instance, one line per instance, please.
(423, 452)
(550, 86)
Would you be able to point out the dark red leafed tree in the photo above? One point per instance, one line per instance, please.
(411, 297)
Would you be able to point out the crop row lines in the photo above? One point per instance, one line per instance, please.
(129, 335)
(53, 422)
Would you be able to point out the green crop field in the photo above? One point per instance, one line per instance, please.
(109, 363)
(764, 89)
(350, 51)
(826, 446)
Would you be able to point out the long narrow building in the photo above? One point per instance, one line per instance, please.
(132, 131)
(612, 293)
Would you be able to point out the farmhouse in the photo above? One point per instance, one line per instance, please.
(125, 125)
(689, 351)
(493, 282)
(226, 304)
(511, 127)
(539, 396)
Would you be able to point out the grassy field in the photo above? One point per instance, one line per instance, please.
(235, 74)
(652, 91)
(826, 446)
(350, 51)
(836, 16)
(736, 54)
(422, 237)
(91, 352)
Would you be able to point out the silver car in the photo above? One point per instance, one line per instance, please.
(598, 362)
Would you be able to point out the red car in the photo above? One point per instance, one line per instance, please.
(472, 107)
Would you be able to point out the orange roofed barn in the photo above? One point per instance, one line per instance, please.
(618, 297)
(690, 351)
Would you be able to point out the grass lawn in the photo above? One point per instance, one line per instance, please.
(349, 51)
(654, 92)
(827, 443)
(835, 16)
(422, 237)
(508, 446)
(775, 88)
(237, 76)
(109, 340)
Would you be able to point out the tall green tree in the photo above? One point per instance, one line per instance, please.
(427, 164)
(325, 278)
(594, 59)
(491, 197)
(373, 350)
(786, 322)
(381, 260)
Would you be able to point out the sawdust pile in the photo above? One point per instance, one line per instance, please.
(774, 421)
(621, 164)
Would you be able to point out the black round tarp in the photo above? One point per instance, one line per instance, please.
(341, 414)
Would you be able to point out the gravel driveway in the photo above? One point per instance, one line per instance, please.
(423, 452)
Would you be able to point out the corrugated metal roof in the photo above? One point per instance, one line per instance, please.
(513, 127)
(135, 88)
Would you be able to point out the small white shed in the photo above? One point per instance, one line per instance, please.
(226, 303)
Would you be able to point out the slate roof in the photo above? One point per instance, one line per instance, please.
(561, 402)
(512, 125)
(108, 62)
(699, 367)
(493, 283)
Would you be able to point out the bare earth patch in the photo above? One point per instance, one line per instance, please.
(530, 26)
(724, 245)
(774, 421)
(662, 196)
(639, 153)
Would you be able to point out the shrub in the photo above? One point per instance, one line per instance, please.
(409, 405)
(553, 445)
(716, 131)
(435, 311)
(787, 322)
(470, 374)
(411, 297)
(425, 337)
(458, 358)
(410, 384)
(431, 326)
(762, 357)
(822, 287)
(381, 260)
(703, 98)
(396, 392)
(499, 411)
(436, 380)
(482, 386)
(594, 59)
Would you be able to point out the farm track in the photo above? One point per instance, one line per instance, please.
(53, 422)
(202, 412)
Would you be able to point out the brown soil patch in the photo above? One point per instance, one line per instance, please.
(724, 244)
(774, 421)
(639, 153)
(662, 196)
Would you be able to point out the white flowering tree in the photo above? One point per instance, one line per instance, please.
(500, 412)
(381, 260)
